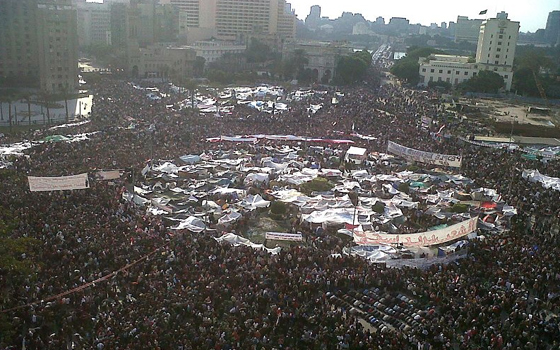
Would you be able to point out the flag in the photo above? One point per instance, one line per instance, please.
(483, 12)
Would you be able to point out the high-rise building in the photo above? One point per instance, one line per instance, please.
(467, 29)
(94, 23)
(495, 52)
(57, 45)
(19, 58)
(314, 18)
(39, 44)
(236, 19)
(119, 25)
(552, 31)
(496, 46)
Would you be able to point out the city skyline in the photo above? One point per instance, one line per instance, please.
(532, 15)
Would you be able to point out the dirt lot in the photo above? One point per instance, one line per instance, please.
(501, 113)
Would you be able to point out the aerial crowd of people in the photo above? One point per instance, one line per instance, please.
(100, 273)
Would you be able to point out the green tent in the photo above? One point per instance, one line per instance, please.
(55, 138)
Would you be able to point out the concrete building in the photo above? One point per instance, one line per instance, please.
(162, 61)
(119, 24)
(495, 52)
(399, 24)
(94, 23)
(496, 46)
(19, 54)
(552, 31)
(211, 51)
(236, 20)
(313, 20)
(467, 29)
(197, 19)
(322, 57)
(57, 45)
(446, 68)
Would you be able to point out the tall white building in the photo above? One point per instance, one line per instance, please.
(495, 52)
(94, 23)
(236, 19)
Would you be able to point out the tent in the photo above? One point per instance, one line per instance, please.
(355, 154)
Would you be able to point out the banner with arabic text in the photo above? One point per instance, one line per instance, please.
(424, 157)
(422, 239)
(60, 183)
(295, 237)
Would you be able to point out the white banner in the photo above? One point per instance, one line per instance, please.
(60, 183)
(278, 236)
(424, 157)
(422, 239)
(109, 174)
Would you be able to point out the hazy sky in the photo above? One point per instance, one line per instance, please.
(531, 14)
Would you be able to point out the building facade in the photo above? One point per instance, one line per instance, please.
(552, 31)
(19, 55)
(58, 45)
(446, 68)
(161, 60)
(212, 51)
(39, 44)
(236, 20)
(94, 23)
(467, 29)
(495, 52)
(322, 57)
(496, 46)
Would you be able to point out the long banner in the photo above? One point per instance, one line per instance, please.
(60, 183)
(422, 239)
(424, 157)
(295, 237)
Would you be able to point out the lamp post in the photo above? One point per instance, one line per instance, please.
(353, 195)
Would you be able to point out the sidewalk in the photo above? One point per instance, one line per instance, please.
(20, 114)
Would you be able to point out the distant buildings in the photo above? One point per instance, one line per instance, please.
(237, 20)
(212, 51)
(38, 44)
(94, 23)
(313, 20)
(322, 57)
(162, 60)
(495, 52)
(467, 29)
(552, 31)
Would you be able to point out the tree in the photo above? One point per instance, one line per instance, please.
(198, 68)
(407, 68)
(350, 69)
(258, 52)
(524, 82)
(485, 81)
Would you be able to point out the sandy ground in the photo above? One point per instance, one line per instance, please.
(507, 111)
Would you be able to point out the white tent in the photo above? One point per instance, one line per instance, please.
(192, 224)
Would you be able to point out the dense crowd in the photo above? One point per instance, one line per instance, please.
(181, 290)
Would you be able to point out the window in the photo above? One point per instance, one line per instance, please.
(466, 73)
(423, 69)
(499, 43)
(431, 70)
(440, 71)
(496, 62)
(448, 72)
(506, 76)
(500, 36)
(498, 49)
(497, 56)
(457, 72)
